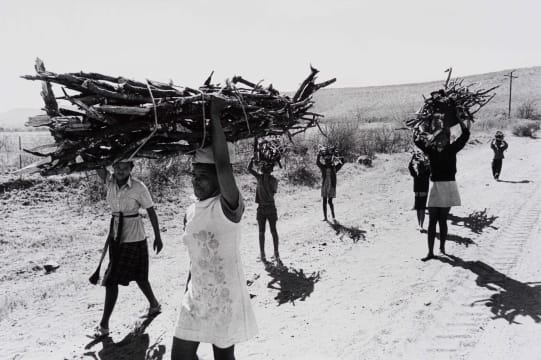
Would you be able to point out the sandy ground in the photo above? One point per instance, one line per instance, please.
(352, 290)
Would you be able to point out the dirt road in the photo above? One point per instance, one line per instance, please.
(352, 290)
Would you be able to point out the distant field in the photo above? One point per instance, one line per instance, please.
(10, 156)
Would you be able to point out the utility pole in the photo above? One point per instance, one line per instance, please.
(511, 77)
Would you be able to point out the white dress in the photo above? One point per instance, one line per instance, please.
(216, 307)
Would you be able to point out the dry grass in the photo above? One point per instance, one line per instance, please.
(9, 303)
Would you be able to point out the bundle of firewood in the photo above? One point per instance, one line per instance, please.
(328, 150)
(113, 118)
(269, 151)
(332, 152)
(443, 107)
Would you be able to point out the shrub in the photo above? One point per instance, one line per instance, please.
(383, 139)
(342, 135)
(526, 128)
(161, 176)
(300, 173)
(93, 189)
(527, 110)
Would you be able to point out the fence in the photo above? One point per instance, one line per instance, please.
(12, 155)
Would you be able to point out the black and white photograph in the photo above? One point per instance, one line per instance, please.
(270, 180)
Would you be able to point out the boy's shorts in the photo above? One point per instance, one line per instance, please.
(267, 212)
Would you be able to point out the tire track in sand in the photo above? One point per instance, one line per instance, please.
(455, 336)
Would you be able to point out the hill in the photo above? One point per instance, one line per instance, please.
(15, 118)
(382, 103)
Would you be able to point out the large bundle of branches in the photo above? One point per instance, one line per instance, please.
(442, 108)
(113, 118)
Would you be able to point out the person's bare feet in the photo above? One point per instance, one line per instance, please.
(279, 262)
(428, 257)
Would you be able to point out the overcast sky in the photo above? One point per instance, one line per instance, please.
(360, 42)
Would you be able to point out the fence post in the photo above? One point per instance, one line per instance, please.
(20, 154)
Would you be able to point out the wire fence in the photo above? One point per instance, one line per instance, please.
(12, 155)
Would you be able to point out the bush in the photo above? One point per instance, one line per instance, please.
(301, 174)
(93, 189)
(340, 134)
(526, 128)
(527, 110)
(160, 176)
(383, 139)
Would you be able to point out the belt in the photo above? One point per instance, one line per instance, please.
(119, 214)
(115, 230)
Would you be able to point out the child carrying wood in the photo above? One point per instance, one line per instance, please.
(498, 145)
(216, 307)
(267, 186)
(419, 168)
(329, 167)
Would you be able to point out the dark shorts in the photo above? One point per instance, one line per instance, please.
(420, 202)
(131, 264)
(267, 212)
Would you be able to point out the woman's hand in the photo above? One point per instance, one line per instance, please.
(158, 244)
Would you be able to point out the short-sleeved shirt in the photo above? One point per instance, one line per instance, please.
(129, 199)
(266, 188)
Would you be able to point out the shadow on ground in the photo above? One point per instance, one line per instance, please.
(512, 298)
(135, 346)
(292, 284)
(515, 182)
(466, 241)
(477, 221)
(353, 232)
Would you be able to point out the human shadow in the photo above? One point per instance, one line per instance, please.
(515, 182)
(512, 298)
(353, 232)
(135, 346)
(466, 241)
(477, 221)
(292, 284)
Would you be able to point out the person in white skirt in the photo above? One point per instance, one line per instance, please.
(444, 190)
(216, 306)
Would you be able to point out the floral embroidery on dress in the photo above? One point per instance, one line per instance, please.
(211, 287)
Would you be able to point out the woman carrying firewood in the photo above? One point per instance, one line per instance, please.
(444, 191)
(498, 145)
(127, 244)
(329, 167)
(419, 168)
(267, 185)
(216, 306)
